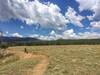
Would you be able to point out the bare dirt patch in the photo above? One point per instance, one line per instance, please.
(40, 68)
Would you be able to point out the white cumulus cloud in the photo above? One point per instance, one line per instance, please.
(69, 34)
(92, 5)
(95, 24)
(33, 12)
(74, 18)
(34, 36)
(16, 35)
(88, 35)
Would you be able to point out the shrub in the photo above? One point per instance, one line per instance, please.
(3, 46)
(3, 51)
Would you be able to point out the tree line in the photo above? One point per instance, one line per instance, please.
(56, 42)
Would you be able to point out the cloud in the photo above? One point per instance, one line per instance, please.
(95, 24)
(21, 27)
(88, 35)
(68, 34)
(34, 36)
(86, 4)
(51, 36)
(74, 18)
(33, 12)
(16, 35)
(7, 32)
(5, 12)
(92, 5)
(47, 15)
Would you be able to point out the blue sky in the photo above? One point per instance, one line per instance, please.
(50, 19)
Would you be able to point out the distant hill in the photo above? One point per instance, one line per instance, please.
(12, 41)
(18, 39)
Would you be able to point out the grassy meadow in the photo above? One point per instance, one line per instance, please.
(63, 60)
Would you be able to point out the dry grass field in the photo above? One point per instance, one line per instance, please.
(63, 60)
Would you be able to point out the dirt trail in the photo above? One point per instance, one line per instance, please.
(40, 68)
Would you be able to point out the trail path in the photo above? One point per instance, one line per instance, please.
(40, 68)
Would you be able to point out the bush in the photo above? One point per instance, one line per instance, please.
(3, 51)
(3, 46)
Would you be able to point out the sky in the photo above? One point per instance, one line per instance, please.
(50, 19)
